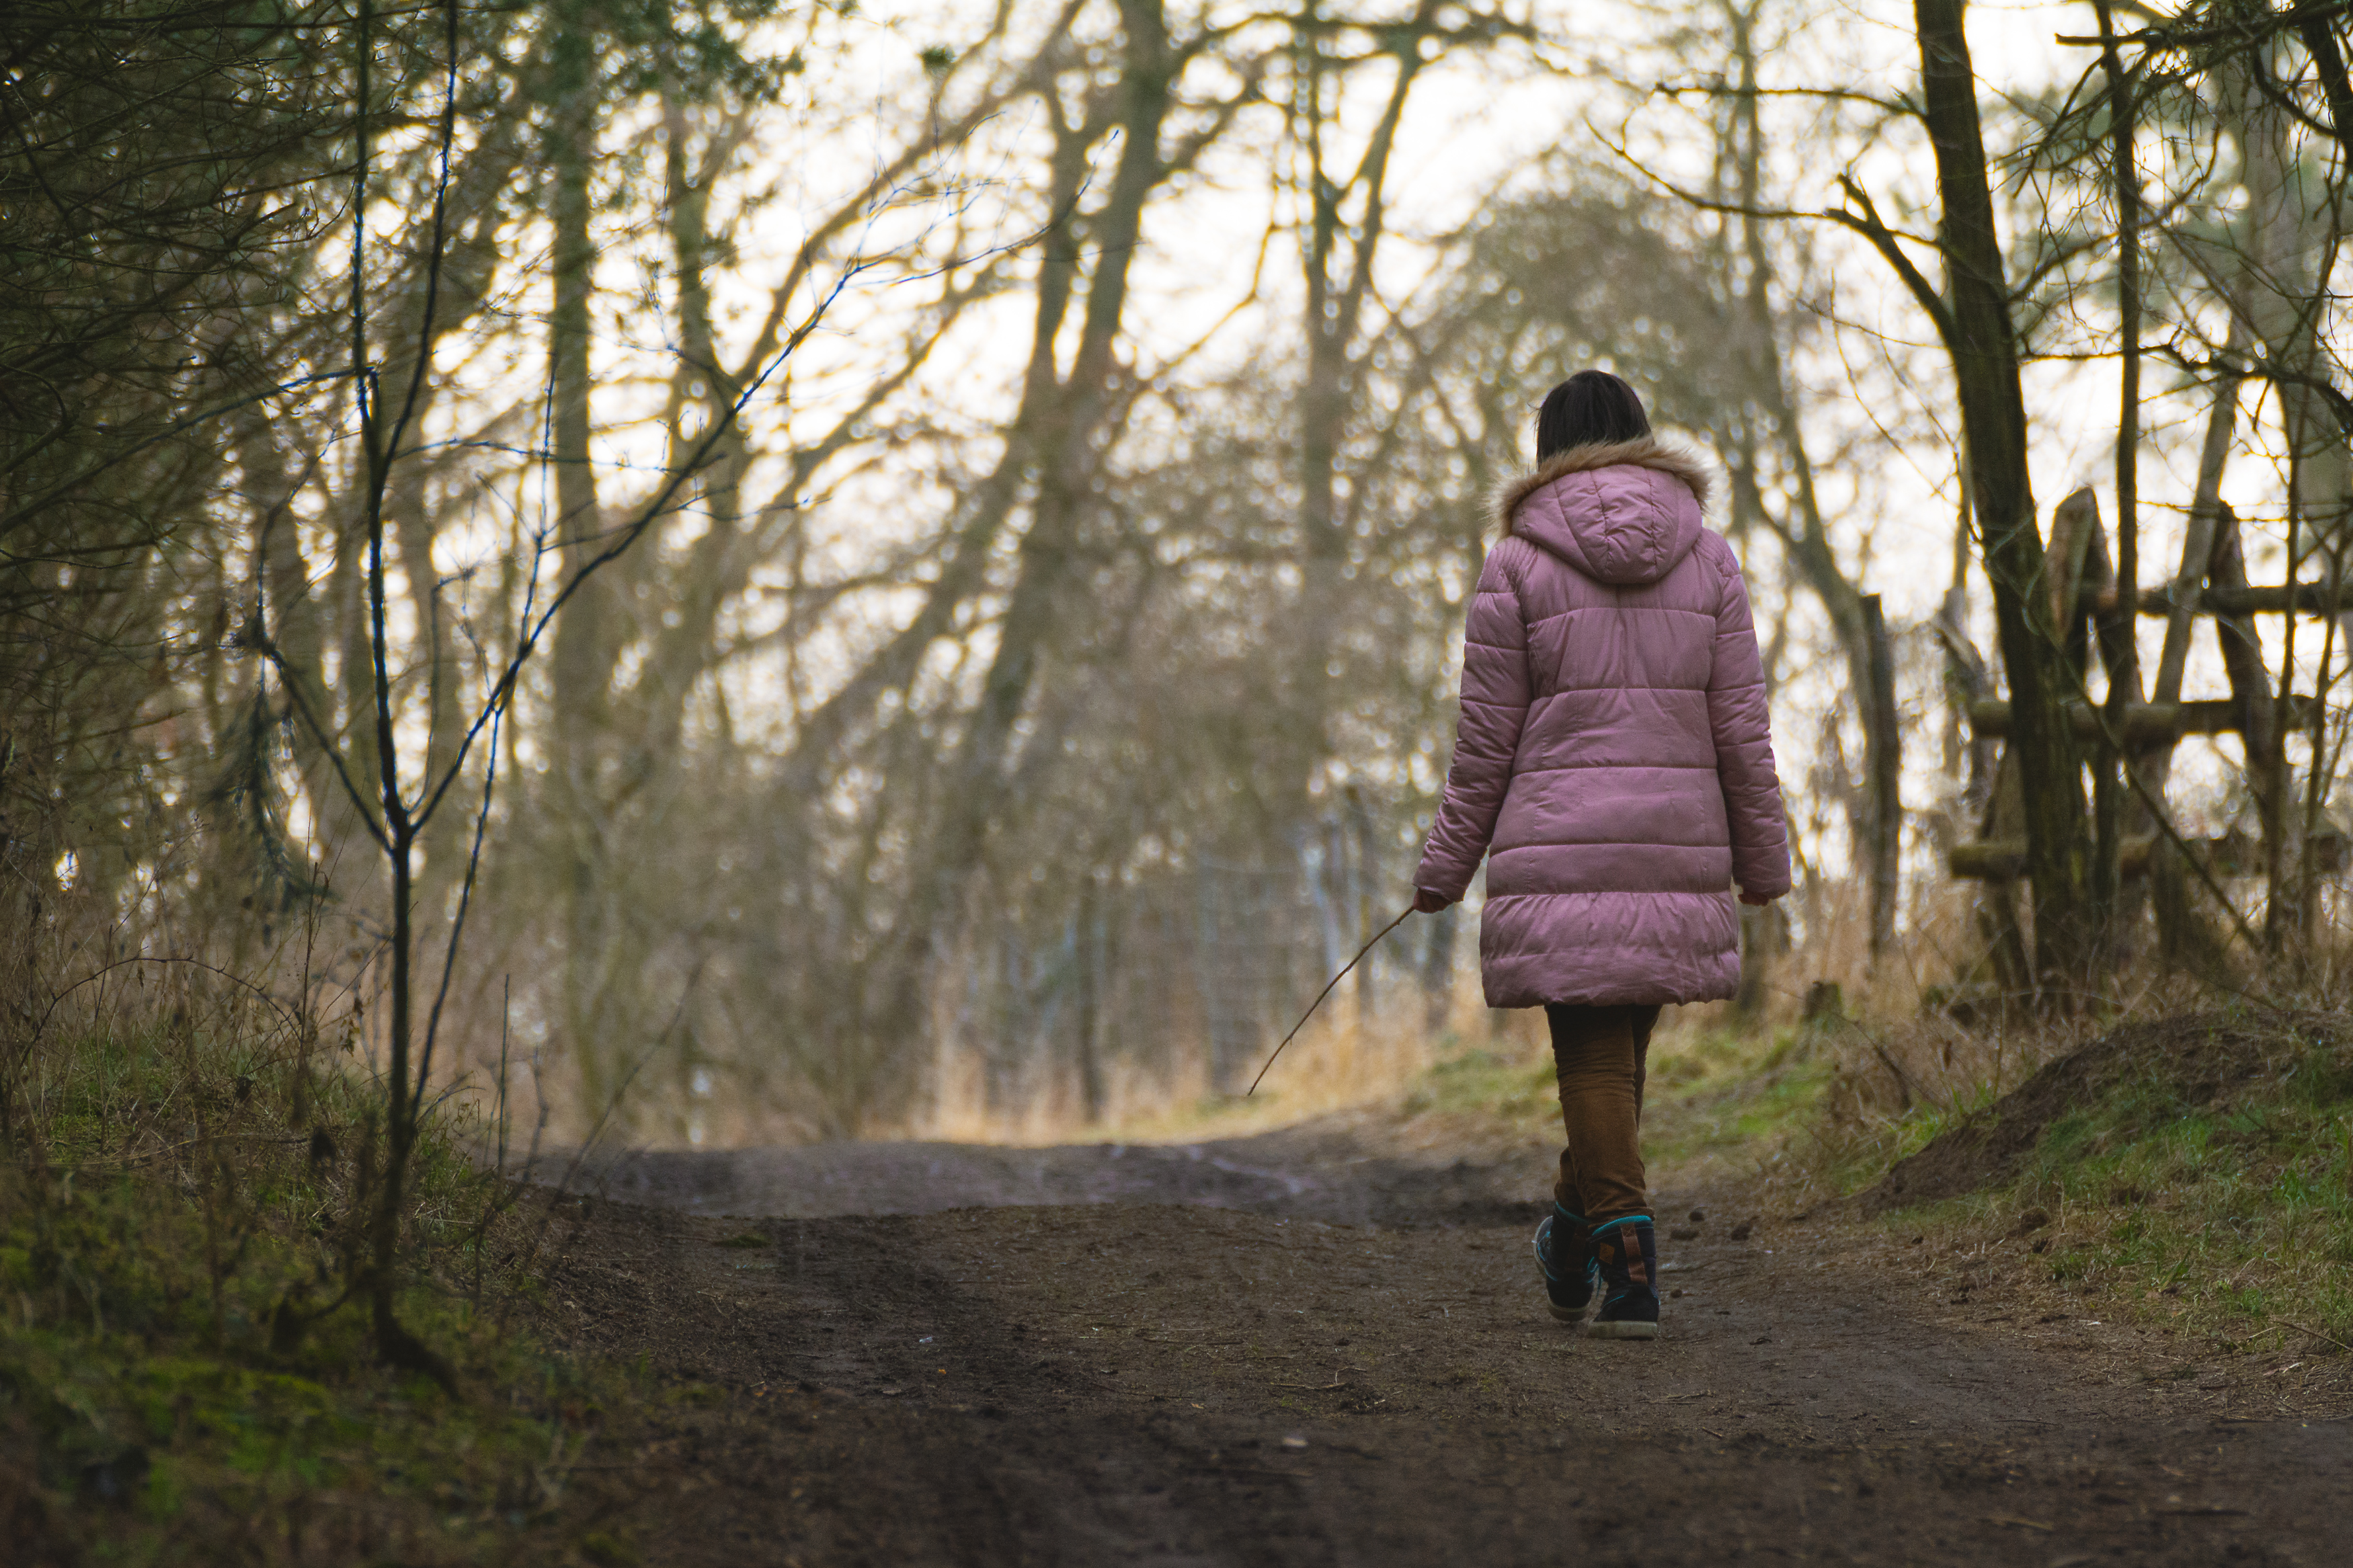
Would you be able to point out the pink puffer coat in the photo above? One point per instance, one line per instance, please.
(1614, 754)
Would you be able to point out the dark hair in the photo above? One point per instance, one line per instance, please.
(1590, 406)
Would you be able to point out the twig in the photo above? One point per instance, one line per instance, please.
(1327, 992)
(1903, 1078)
(2315, 1333)
(1187, 1344)
(126, 1161)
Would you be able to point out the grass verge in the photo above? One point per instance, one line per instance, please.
(1718, 1104)
(2194, 1172)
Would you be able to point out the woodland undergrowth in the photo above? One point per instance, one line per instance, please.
(188, 1372)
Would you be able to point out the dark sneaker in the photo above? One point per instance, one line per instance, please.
(1565, 1253)
(1626, 1252)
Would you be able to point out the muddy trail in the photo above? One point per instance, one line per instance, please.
(1323, 1346)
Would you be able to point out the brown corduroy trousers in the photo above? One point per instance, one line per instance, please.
(1600, 1056)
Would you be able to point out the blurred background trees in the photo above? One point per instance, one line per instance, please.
(1041, 684)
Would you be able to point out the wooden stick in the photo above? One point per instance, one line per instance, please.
(1327, 992)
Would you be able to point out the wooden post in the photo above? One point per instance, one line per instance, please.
(2182, 937)
(2258, 725)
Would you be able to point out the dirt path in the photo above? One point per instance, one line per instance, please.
(1089, 1380)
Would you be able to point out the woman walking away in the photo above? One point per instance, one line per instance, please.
(1614, 764)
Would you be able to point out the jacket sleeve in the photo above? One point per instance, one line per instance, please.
(1486, 733)
(1737, 714)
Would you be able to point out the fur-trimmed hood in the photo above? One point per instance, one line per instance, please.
(1622, 511)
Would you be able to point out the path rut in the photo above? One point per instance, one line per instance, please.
(1236, 1380)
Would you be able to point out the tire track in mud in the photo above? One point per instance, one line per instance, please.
(1084, 1484)
(852, 1330)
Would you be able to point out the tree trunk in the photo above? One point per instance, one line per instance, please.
(1886, 761)
(1993, 418)
(1056, 438)
(1438, 967)
(2112, 814)
(1806, 537)
(296, 623)
(2284, 290)
(1764, 936)
(581, 660)
(1334, 319)
(1091, 954)
(2318, 31)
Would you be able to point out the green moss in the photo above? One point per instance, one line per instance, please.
(2225, 1211)
(185, 1199)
